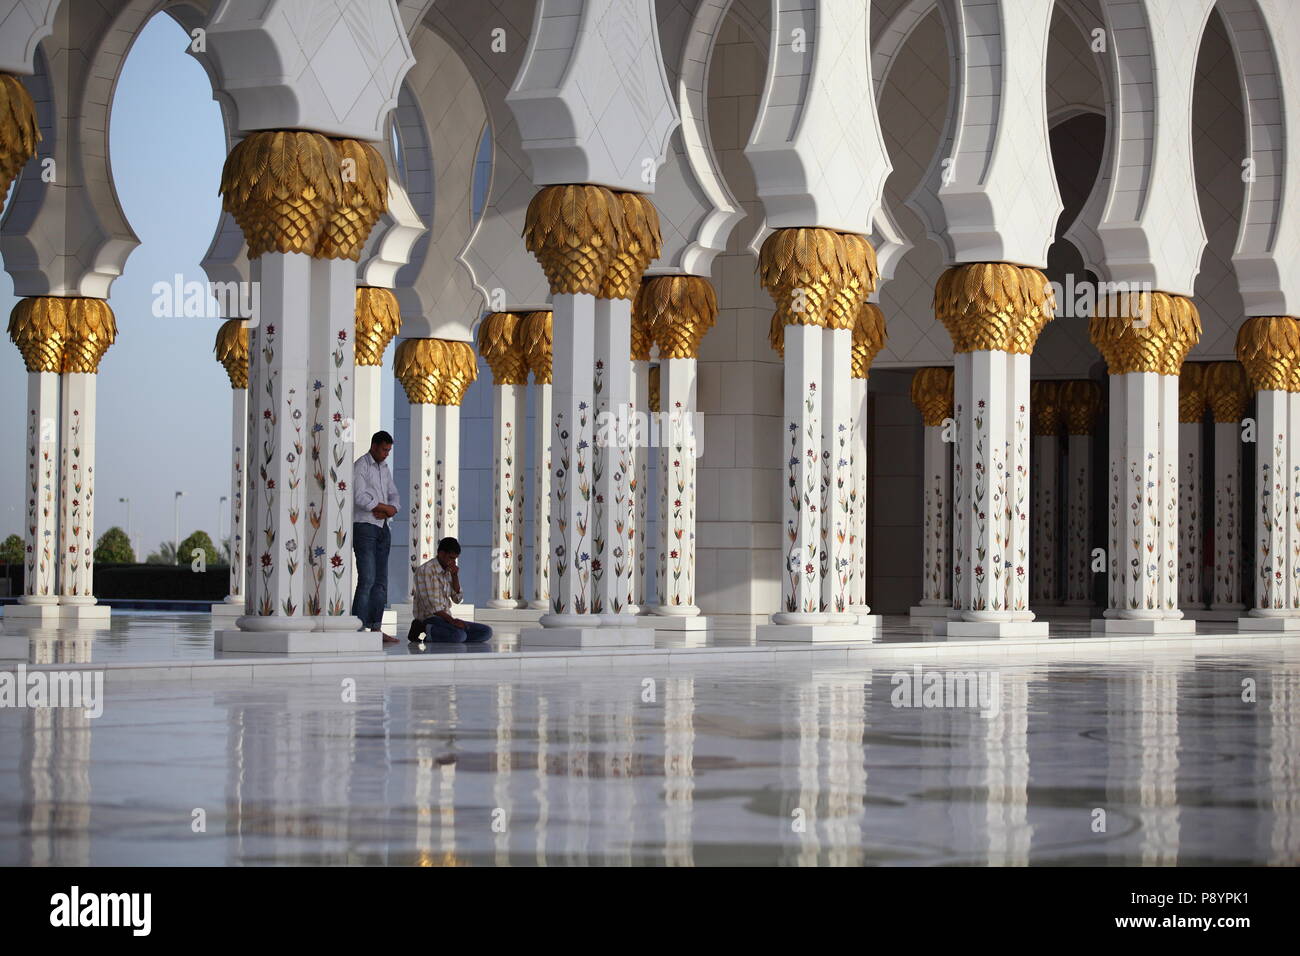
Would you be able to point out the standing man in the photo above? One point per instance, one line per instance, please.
(374, 502)
(437, 588)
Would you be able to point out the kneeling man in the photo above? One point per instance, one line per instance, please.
(437, 588)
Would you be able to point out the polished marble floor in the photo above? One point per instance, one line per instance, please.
(1152, 761)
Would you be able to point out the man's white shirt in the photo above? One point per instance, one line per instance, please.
(372, 484)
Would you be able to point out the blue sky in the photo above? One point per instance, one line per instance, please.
(164, 401)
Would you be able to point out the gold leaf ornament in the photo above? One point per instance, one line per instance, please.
(379, 319)
(802, 269)
(1227, 391)
(654, 388)
(281, 186)
(574, 231)
(993, 306)
(1045, 407)
(460, 369)
(501, 345)
(1081, 403)
(859, 277)
(868, 337)
(932, 394)
(19, 132)
(418, 365)
(38, 325)
(91, 330)
(362, 199)
(1191, 393)
(232, 351)
(1146, 332)
(640, 242)
(535, 334)
(678, 311)
(1268, 347)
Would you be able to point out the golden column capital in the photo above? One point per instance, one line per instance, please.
(932, 394)
(640, 242)
(993, 306)
(1045, 407)
(19, 132)
(298, 191)
(92, 328)
(418, 365)
(500, 344)
(379, 319)
(868, 337)
(1081, 403)
(1191, 393)
(1227, 391)
(460, 369)
(858, 278)
(1149, 332)
(802, 269)
(654, 388)
(574, 231)
(677, 311)
(38, 325)
(232, 351)
(1268, 347)
(534, 334)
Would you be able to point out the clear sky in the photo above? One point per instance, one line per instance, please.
(164, 401)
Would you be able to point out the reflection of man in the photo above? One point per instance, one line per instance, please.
(374, 502)
(437, 588)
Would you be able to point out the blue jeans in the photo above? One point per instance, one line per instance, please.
(440, 632)
(370, 544)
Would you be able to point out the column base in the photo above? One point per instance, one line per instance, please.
(298, 642)
(587, 637)
(665, 622)
(508, 616)
(14, 647)
(991, 630)
(1117, 625)
(818, 633)
(930, 610)
(228, 610)
(84, 613)
(31, 614)
(1275, 625)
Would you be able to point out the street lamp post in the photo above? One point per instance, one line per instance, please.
(176, 528)
(129, 539)
(221, 509)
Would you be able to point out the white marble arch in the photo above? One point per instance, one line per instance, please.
(393, 242)
(1265, 39)
(697, 211)
(990, 194)
(333, 66)
(23, 25)
(442, 125)
(592, 99)
(504, 271)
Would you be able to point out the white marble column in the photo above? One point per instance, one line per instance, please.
(1191, 414)
(509, 419)
(675, 582)
(542, 465)
(933, 396)
(1227, 594)
(238, 466)
(446, 471)
(77, 499)
(1045, 484)
(859, 470)
(423, 504)
(613, 556)
(41, 540)
(642, 452)
(1081, 402)
(1272, 468)
(836, 475)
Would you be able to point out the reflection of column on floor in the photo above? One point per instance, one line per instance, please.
(1267, 348)
(55, 777)
(1228, 395)
(932, 395)
(535, 334)
(503, 806)
(501, 345)
(423, 801)
(577, 783)
(808, 772)
(619, 784)
(1191, 422)
(1007, 772)
(1081, 402)
(1044, 403)
(1158, 775)
(1284, 765)
(679, 771)
(868, 340)
(541, 792)
(845, 773)
(232, 352)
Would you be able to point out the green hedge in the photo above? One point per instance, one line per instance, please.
(156, 582)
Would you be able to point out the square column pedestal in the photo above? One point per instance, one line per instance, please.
(229, 611)
(31, 615)
(509, 617)
(990, 630)
(85, 614)
(594, 636)
(1118, 625)
(861, 633)
(1273, 625)
(298, 642)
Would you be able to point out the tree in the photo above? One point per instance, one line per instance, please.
(12, 550)
(198, 539)
(114, 547)
(166, 554)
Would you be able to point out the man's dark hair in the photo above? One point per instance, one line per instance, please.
(381, 438)
(450, 545)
